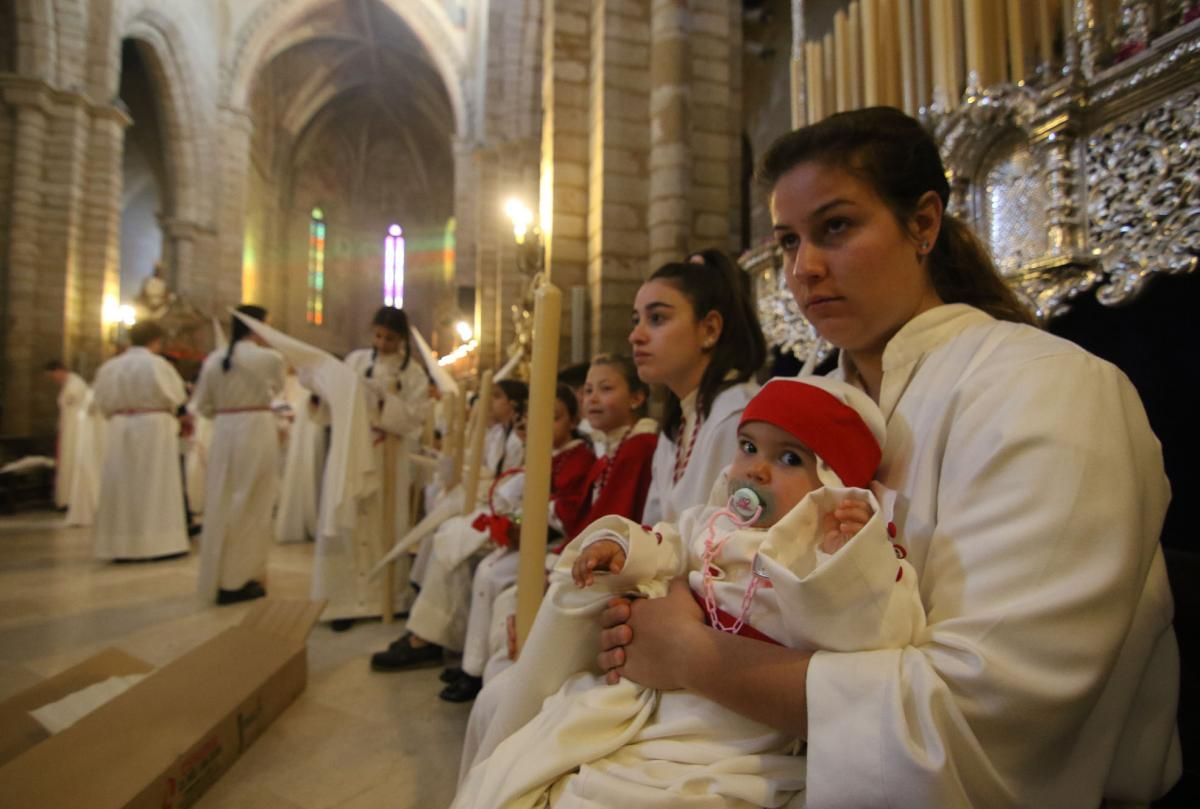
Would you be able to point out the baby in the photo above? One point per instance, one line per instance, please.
(792, 549)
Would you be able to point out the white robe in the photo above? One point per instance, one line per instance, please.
(441, 610)
(242, 465)
(300, 484)
(1031, 494)
(713, 447)
(84, 495)
(593, 744)
(395, 400)
(71, 402)
(140, 513)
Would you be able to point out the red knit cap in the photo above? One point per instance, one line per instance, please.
(836, 432)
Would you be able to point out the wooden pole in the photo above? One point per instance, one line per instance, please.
(478, 428)
(531, 567)
(391, 445)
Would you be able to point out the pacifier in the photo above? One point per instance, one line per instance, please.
(745, 503)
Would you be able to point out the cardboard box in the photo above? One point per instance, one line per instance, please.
(165, 741)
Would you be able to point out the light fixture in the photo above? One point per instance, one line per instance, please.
(464, 331)
(521, 218)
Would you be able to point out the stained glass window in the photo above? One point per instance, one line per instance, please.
(316, 268)
(393, 267)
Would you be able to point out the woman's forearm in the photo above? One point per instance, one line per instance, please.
(758, 680)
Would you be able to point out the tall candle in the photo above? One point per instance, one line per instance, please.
(976, 57)
(841, 44)
(391, 451)
(478, 428)
(908, 61)
(1045, 33)
(854, 37)
(920, 23)
(1017, 40)
(829, 97)
(454, 441)
(954, 52)
(531, 567)
(870, 52)
(800, 114)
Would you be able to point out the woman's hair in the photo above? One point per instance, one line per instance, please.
(516, 391)
(145, 332)
(626, 367)
(892, 153)
(565, 395)
(394, 320)
(712, 281)
(239, 330)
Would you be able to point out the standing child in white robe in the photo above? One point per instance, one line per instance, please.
(397, 391)
(797, 559)
(140, 512)
(300, 481)
(235, 390)
(72, 395)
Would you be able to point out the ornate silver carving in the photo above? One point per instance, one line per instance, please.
(1144, 195)
(1014, 207)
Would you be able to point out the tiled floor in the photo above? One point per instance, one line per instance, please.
(353, 740)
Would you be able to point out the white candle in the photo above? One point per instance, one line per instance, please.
(829, 94)
(854, 37)
(908, 61)
(531, 567)
(870, 52)
(841, 44)
(478, 428)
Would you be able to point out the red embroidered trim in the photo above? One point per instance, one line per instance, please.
(682, 462)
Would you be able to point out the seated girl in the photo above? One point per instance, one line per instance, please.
(801, 557)
(618, 483)
(439, 615)
(571, 462)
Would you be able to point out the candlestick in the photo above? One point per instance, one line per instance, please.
(478, 428)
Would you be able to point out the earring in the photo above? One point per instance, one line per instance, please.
(925, 246)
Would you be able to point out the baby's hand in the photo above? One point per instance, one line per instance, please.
(841, 524)
(602, 555)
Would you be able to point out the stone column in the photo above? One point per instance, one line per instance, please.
(618, 245)
(670, 150)
(563, 194)
(225, 289)
(100, 234)
(713, 123)
(32, 104)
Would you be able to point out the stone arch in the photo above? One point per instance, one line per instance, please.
(37, 38)
(263, 36)
(165, 56)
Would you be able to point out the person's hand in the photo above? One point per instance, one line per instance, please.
(841, 524)
(647, 640)
(602, 555)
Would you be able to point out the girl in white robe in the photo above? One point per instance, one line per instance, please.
(140, 513)
(235, 390)
(72, 396)
(397, 391)
(696, 332)
(300, 482)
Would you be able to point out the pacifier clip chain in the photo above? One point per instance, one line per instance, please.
(743, 510)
